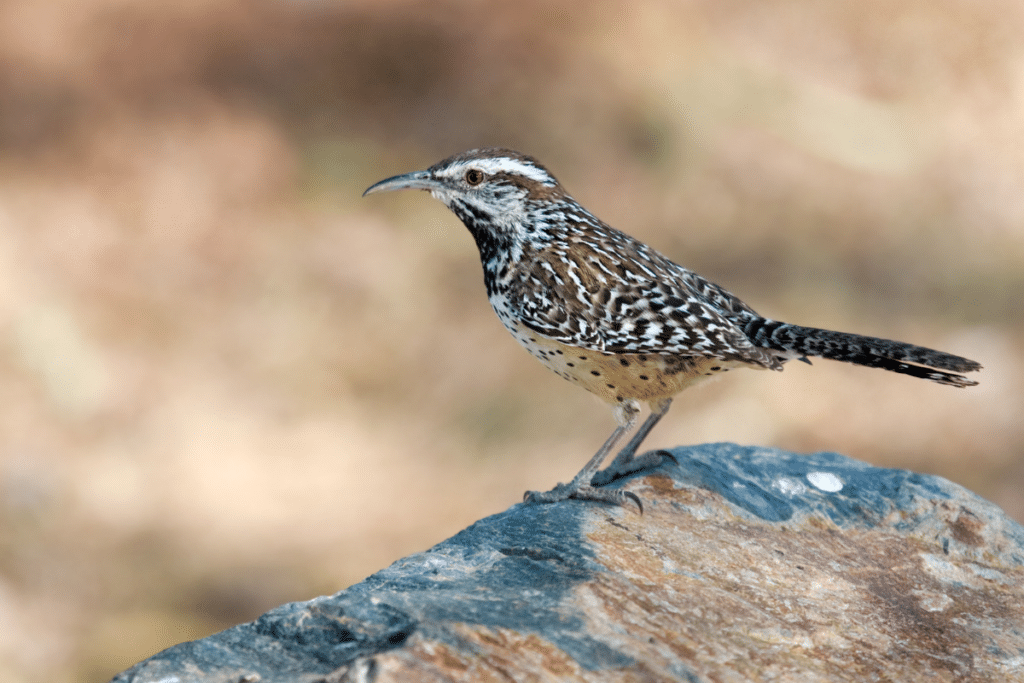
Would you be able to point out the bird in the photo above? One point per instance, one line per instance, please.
(616, 317)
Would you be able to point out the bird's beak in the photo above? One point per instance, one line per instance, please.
(418, 180)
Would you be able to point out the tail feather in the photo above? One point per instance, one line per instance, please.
(873, 352)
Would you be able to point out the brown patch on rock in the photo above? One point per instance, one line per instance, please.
(689, 581)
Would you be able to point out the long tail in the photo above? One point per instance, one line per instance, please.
(906, 359)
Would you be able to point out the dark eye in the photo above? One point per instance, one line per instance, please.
(474, 176)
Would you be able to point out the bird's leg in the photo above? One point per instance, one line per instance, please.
(626, 461)
(580, 487)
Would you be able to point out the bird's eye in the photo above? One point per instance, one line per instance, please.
(474, 176)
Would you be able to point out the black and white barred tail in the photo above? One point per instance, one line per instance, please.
(873, 352)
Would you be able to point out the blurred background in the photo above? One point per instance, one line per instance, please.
(229, 382)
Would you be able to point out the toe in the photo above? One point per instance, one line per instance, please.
(612, 496)
(648, 461)
(586, 492)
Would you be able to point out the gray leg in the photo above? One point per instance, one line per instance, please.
(626, 462)
(580, 488)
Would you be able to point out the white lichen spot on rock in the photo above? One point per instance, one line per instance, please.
(825, 481)
(789, 486)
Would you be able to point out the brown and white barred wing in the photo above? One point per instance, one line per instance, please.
(630, 301)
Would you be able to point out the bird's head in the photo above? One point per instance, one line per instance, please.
(502, 196)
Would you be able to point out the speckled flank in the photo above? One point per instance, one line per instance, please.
(618, 377)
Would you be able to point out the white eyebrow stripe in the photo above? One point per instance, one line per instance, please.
(509, 165)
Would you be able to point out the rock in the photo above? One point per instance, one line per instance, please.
(748, 564)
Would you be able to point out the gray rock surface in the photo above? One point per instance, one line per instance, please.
(749, 564)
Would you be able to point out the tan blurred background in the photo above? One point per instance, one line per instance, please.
(229, 382)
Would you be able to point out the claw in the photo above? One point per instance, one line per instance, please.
(636, 499)
(667, 454)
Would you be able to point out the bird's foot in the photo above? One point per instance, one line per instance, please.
(584, 492)
(647, 461)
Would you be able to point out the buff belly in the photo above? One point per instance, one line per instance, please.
(618, 378)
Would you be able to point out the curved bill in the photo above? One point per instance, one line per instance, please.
(418, 180)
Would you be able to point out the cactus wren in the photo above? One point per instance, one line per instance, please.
(616, 317)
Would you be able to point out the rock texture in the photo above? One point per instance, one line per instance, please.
(748, 564)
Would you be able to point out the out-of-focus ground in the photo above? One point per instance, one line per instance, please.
(230, 382)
